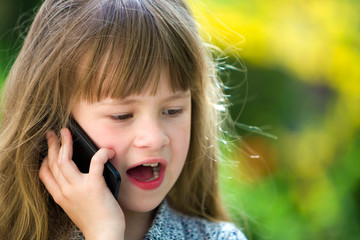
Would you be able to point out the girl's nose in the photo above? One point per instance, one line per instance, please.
(151, 135)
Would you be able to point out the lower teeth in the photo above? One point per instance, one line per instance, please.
(156, 171)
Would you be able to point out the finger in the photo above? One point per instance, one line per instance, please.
(53, 155)
(48, 180)
(98, 161)
(57, 155)
(66, 144)
(66, 165)
(53, 147)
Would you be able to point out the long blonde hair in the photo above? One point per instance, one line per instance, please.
(120, 47)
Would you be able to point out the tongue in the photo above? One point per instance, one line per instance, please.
(141, 173)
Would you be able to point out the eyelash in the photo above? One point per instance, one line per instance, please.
(172, 112)
(124, 117)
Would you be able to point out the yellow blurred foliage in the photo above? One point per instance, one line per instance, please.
(318, 41)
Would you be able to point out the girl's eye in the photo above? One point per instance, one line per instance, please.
(172, 112)
(122, 117)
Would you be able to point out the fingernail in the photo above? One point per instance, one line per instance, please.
(62, 132)
(48, 134)
(112, 153)
(46, 159)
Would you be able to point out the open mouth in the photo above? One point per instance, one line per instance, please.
(146, 172)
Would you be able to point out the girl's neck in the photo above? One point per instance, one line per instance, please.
(137, 224)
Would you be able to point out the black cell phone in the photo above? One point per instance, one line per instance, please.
(84, 149)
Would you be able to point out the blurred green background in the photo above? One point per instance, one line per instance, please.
(302, 85)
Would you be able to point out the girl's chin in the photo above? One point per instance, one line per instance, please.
(140, 205)
(133, 198)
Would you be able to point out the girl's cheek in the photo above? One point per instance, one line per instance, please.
(118, 143)
(119, 160)
(120, 148)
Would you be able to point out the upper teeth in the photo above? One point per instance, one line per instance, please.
(150, 164)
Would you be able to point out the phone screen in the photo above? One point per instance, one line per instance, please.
(84, 149)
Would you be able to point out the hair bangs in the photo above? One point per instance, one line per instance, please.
(129, 52)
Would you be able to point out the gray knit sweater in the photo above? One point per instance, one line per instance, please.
(169, 224)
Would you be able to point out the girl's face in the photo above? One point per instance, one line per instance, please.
(150, 135)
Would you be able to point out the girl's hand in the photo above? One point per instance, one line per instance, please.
(85, 198)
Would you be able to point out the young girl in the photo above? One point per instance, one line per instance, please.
(137, 78)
